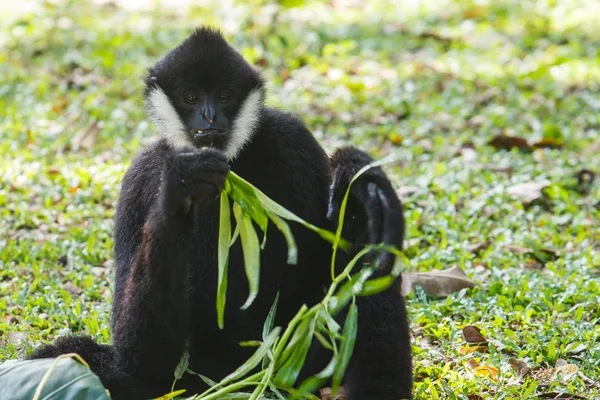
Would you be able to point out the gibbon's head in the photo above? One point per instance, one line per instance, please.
(204, 94)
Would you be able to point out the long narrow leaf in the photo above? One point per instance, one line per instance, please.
(289, 238)
(299, 344)
(223, 258)
(238, 188)
(347, 347)
(270, 320)
(251, 249)
(245, 197)
(254, 360)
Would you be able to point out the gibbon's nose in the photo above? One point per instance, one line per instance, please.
(208, 112)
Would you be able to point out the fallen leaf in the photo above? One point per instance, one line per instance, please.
(561, 396)
(16, 338)
(472, 334)
(71, 288)
(474, 397)
(565, 371)
(506, 142)
(87, 138)
(521, 368)
(580, 348)
(9, 319)
(477, 248)
(439, 283)
(528, 191)
(486, 371)
(513, 248)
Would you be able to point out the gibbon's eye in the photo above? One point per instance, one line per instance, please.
(224, 97)
(191, 98)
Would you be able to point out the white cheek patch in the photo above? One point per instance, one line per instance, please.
(167, 119)
(245, 123)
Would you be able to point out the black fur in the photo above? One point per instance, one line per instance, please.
(166, 253)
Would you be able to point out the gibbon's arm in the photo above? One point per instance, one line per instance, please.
(380, 367)
(153, 235)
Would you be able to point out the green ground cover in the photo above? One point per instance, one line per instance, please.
(432, 82)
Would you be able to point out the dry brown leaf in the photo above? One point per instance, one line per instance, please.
(474, 397)
(439, 283)
(561, 396)
(521, 368)
(16, 338)
(528, 191)
(341, 394)
(565, 371)
(472, 334)
(472, 364)
(71, 288)
(87, 138)
(486, 371)
(507, 142)
(513, 248)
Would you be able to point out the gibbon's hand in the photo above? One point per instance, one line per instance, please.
(197, 175)
(373, 193)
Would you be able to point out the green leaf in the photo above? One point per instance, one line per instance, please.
(376, 285)
(223, 257)
(299, 344)
(243, 194)
(251, 199)
(254, 360)
(251, 248)
(289, 237)
(347, 347)
(205, 379)
(182, 366)
(64, 376)
(270, 320)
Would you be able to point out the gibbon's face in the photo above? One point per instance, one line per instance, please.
(204, 94)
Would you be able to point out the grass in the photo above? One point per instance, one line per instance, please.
(430, 82)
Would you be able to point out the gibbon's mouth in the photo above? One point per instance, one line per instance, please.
(209, 137)
(207, 132)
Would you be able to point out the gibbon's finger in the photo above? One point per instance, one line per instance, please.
(372, 206)
(336, 196)
(392, 229)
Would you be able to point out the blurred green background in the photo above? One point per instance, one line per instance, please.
(432, 82)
